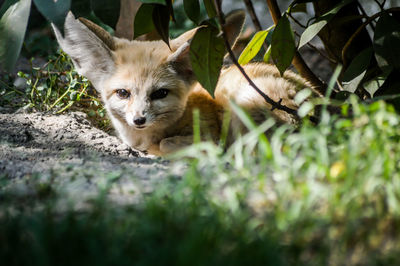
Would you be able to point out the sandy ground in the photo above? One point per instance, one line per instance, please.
(68, 154)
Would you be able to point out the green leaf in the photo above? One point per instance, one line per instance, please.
(210, 8)
(161, 2)
(298, 8)
(192, 10)
(12, 31)
(6, 5)
(312, 30)
(267, 55)
(343, 95)
(161, 17)
(253, 47)
(106, 10)
(81, 8)
(354, 74)
(373, 85)
(171, 10)
(387, 42)
(283, 46)
(54, 11)
(142, 23)
(206, 53)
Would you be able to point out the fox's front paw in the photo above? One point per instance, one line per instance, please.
(173, 144)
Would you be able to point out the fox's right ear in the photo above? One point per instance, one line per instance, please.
(90, 48)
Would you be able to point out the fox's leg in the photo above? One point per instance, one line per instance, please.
(173, 144)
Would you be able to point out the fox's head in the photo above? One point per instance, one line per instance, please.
(143, 84)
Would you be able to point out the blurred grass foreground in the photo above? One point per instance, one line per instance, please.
(318, 195)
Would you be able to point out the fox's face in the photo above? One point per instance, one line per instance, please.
(144, 85)
(146, 89)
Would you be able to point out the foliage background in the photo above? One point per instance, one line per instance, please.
(316, 195)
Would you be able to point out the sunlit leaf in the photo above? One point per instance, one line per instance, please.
(106, 10)
(207, 51)
(192, 10)
(283, 46)
(312, 30)
(387, 42)
(142, 23)
(54, 11)
(12, 31)
(267, 55)
(253, 47)
(161, 17)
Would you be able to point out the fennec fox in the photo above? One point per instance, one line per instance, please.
(150, 91)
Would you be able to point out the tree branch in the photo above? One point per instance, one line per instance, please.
(317, 85)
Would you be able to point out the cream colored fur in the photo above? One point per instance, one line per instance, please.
(142, 67)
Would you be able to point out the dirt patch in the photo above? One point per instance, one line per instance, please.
(67, 153)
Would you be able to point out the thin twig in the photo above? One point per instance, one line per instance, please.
(275, 105)
(317, 85)
(365, 14)
(381, 5)
(296, 21)
(254, 18)
(252, 13)
(362, 26)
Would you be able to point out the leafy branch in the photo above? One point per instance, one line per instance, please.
(360, 28)
(317, 85)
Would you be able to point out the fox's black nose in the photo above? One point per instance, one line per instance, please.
(139, 121)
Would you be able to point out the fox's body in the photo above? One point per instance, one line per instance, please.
(150, 92)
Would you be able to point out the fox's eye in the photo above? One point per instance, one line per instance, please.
(123, 94)
(159, 94)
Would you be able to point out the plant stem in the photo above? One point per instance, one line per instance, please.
(60, 98)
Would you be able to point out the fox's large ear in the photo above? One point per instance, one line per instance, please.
(180, 46)
(90, 48)
(234, 22)
(179, 59)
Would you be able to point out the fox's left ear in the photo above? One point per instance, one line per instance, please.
(90, 48)
(234, 22)
(180, 46)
